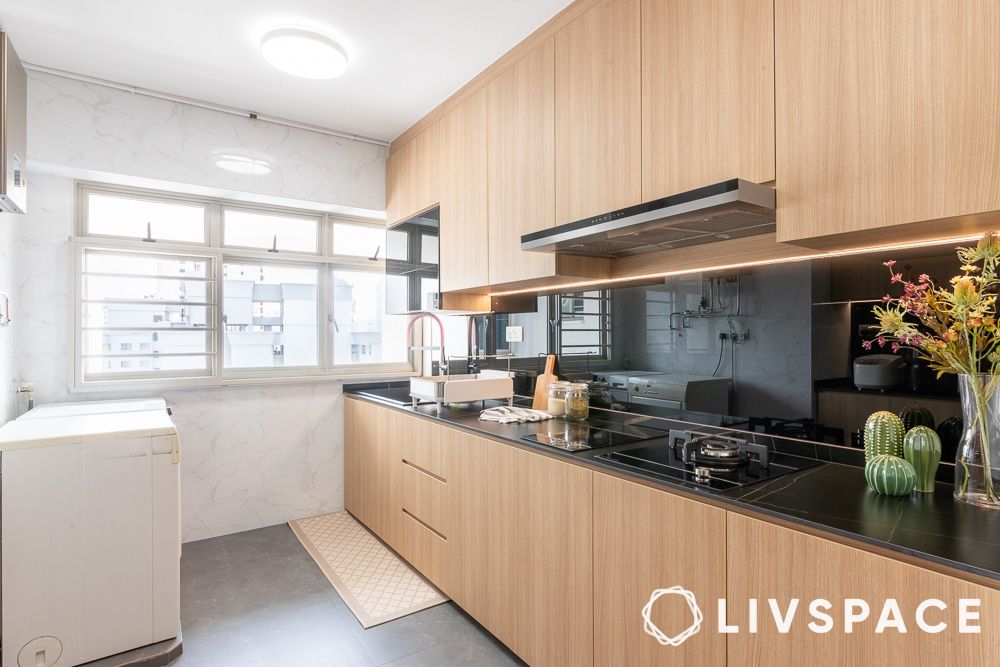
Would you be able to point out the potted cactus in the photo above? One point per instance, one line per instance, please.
(954, 327)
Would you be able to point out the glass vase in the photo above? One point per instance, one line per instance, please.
(977, 464)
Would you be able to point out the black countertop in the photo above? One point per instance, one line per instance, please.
(832, 497)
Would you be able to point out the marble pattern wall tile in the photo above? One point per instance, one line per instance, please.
(252, 456)
(8, 365)
(103, 133)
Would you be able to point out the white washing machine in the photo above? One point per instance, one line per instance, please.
(90, 533)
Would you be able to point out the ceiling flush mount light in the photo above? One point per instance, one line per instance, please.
(303, 53)
(242, 164)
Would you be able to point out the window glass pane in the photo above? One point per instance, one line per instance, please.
(429, 248)
(358, 240)
(397, 245)
(269, 315)
(261, 230)
(138, 341)
(195, 365)
(146, 289)
(121, 216)
(135, 315)
(130, 264)
(132, 315)
(362, 332)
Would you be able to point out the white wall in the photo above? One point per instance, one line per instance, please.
(88, 130)
(8, 364)
(251, 455)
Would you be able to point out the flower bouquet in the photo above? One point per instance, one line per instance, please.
(954, 327)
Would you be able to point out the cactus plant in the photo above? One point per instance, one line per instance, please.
(883, 435)
(890, 475)
(922, 448)
(916, 415)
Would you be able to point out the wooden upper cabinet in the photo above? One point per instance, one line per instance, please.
(707, 93)
(646, 539)
(768, 561)
(597, 111)
(413, 176)
(398, 185)
(887, 113)
(521, 150)
(465, 257)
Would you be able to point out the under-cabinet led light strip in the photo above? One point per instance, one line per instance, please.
(743, 265)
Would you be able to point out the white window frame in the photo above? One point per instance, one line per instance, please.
(323, 260)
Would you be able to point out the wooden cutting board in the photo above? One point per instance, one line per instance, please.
(542, 384)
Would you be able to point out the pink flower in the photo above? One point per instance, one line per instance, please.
(890, 263)
(897, 278)
(924, 278)
(895, 347)
(887, 298)
(867, 344)
(881, 341)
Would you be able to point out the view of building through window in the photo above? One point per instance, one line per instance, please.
(270, 315)
(155, 310)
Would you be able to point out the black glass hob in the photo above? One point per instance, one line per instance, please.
(575, 437)
(671, 462)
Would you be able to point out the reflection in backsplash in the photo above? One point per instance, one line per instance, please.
(755, 348)
(689, 325)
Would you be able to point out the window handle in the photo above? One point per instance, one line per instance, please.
(374, 257)
(149, 233)
(274, 244)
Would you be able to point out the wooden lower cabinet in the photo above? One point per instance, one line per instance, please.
(644, 540)
(520, 549)
(372, 474)
(769, 561)
(558, 561)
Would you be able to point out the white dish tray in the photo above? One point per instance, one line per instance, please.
(443, 389)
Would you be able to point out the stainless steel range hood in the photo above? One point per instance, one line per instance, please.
(729, 210)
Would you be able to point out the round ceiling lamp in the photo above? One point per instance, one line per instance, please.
(242, 164)
(303, 53)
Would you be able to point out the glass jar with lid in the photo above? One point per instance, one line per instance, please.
(577, 401)
(557, 399)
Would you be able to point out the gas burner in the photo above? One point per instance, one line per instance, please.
(717, 462)
(716, 453)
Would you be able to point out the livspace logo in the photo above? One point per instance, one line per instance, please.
(822, 616)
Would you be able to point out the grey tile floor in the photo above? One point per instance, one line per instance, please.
(257, 599)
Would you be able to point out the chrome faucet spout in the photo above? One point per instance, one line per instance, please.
(416, 317)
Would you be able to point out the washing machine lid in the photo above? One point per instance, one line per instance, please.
(78, 408)
(23, 433)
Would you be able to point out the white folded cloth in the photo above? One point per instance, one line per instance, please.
(512, 415)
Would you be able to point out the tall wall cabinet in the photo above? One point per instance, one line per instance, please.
(874, 120)
(888, 113)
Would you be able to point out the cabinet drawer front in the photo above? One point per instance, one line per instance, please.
(426, 498)
(428, 447)
(425, 550)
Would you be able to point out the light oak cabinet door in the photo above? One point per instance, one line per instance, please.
(520, 549)
(521, 149)
(372, 473)
(887, 113)
(413, 176)
(398, 185)
(484, 540)
(707, 93)
(645, 539)
(768, 561)
(465, 256)
(555, 595)
(598, 111)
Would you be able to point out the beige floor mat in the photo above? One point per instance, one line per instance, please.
(376, 584)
